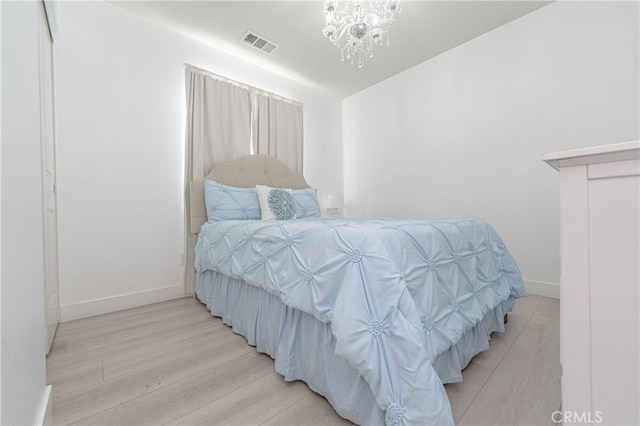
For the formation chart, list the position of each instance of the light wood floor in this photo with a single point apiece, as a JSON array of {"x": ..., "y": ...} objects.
[{"x": 172, "y": 363}]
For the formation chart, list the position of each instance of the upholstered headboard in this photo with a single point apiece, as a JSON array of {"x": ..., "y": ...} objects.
[{"x": 245, "y": 172}]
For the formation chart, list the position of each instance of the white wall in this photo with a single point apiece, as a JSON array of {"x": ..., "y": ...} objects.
[
  {"x": 463, "y": 134},
  {"x": 23, "y": 331},
  {"x": 120, "y": 116}
]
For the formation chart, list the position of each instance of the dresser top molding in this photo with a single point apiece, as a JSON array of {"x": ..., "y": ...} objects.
[{"x": 593, "y": 155}]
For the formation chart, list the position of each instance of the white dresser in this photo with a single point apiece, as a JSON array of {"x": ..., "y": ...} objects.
[{"x": 600, "y": 281}]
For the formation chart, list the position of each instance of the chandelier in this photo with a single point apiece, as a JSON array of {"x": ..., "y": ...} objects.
[{"x": 356, "y": 26}]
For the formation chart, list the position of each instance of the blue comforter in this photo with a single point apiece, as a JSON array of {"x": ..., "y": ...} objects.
[{"x": 396, "y": 292}]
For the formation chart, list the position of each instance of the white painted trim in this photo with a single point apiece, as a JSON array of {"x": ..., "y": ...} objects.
[
  {"x": 540, "y": 288},
  {"x": 593, "y": 155},
  {"x": 45, "y": 412},
  {"x": 118, "y": 303}
]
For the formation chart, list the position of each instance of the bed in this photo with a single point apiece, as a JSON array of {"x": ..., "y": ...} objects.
[{"x": 375, "y": 315}]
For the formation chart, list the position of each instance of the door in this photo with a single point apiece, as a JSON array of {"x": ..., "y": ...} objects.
[{"x": 50, "y": 219}]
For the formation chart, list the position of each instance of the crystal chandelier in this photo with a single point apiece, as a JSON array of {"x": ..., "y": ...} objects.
[{"x": 356, "y": 26}]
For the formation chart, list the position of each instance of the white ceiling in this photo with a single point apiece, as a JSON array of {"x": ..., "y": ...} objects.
[{"x": 423, "y": 30}]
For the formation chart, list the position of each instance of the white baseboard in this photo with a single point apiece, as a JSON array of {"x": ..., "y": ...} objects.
[
  {"x": 540, "y": 288},
  {"x": 118, "y": 303},
  {"x": 45, "y": 411}
]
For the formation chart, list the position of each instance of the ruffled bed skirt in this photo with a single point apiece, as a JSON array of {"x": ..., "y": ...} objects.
[{"x": 304, "y": 348}]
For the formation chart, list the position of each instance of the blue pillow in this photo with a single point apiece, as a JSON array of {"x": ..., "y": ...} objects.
[
  {"x": 229, "y": 203},
  {"x": 307, "y": 206}
]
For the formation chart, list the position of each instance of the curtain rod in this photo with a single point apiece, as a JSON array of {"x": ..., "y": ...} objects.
[{"x": 248, "y": 87}]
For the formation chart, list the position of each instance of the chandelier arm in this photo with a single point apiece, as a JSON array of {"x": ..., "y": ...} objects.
[
  {"x": 344, "y": 20},
  {"x": 342, "y": 31},
  {"x": 382, "y": 20},
  {"x": 343, "y": 26},
  {"x": 330, "y": 18}
]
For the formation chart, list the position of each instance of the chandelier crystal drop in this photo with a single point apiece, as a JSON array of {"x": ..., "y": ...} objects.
[{"x": 355, "y": 26}]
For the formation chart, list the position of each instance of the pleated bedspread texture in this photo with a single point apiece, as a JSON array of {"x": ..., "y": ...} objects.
[{"x": 396, "y": 293}]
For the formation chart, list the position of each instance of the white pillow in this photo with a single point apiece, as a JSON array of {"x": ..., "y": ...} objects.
[{"x": 276, "y": 203}]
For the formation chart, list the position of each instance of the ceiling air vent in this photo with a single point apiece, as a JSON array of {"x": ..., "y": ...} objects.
[{"x": 259, "y": 42}]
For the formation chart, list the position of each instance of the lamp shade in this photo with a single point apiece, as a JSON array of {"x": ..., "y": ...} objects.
[{"x": 335, "y": 201}]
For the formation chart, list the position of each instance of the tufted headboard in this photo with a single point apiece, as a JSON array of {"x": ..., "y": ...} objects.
[{"x": 245, "y": 172}]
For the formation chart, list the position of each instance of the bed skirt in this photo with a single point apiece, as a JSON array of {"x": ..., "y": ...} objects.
[{"x": 304, "y": 348}]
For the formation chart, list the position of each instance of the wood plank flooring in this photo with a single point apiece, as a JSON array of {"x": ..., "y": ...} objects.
[{"x": 173, "y": 363}]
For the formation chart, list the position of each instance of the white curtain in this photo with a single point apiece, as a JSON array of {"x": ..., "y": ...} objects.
[
  {"x": 218, "y": 122},
  {"x": 226, "y": 120},
  {"x": 277, "y": 130},
  {"x": 218, "y": 129}
]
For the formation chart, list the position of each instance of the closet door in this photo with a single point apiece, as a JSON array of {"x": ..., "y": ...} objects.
[{"x": 50, "y": 218}]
